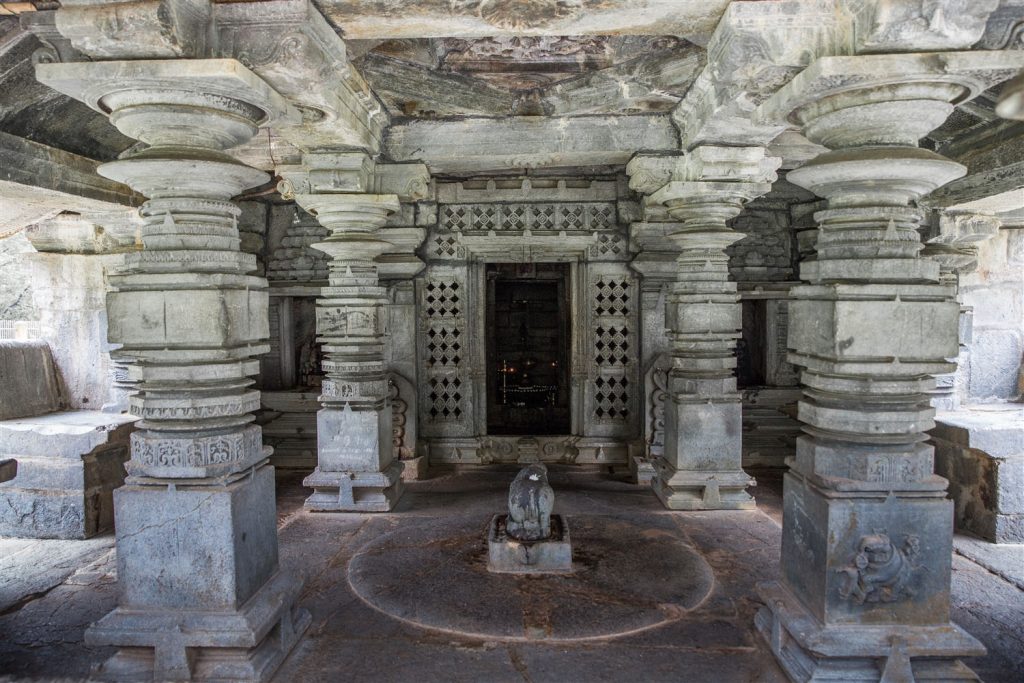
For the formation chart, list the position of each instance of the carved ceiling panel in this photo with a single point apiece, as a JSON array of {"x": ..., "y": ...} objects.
[{"x": 529, "y": 75}]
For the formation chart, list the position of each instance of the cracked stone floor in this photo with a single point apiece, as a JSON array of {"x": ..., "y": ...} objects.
[{"x": 51, "y": 590}]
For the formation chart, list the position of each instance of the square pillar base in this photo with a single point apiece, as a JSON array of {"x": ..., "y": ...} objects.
[
  {"x": 355, "y": 491},
  {"x": 700, "y": 490},
  {"x": 248, "y": 644},
  {"x": 809, "y": 651},
  {"x": 201, "y": 597}
]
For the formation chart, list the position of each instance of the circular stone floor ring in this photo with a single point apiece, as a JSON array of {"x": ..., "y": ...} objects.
[{"x": 626, "y": 578}]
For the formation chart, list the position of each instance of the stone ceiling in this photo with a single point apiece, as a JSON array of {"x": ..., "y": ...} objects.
[
  {"x": 435, "y": 60},
  {"x": 529, "y": 75}
]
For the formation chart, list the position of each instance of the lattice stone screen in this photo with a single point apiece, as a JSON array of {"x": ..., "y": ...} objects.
[
  {"x": 444, "y": 404},
  {"x": 612, "y": 405}
]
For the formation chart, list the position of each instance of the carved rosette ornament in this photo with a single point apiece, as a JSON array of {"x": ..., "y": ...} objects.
[
  {"x": 871, "y": 327},
  {"x": 356, "y": 464},
  {"x": 191, "y": 321}
]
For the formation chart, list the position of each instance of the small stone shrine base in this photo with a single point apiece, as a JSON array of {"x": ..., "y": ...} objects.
[{"x": 506, "y": 555}]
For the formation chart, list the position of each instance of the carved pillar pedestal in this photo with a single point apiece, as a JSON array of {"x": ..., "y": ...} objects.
[
  {"x": 201, "y": 594},
  {"x": 701, "y": 465},
  {"x": 356, "y": 468},
  {"x": 867, "y": 527}
]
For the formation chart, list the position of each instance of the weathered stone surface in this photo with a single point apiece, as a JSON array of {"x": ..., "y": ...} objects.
[
  {"x": 981, "y": 453},
  {"x": 30, "y": 375},
  {"x": 474, "y": 145}
]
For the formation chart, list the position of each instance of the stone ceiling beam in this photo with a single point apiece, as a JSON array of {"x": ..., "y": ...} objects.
[
  {"x": 38, "y": 182},
  {"x": 363, "y": 19},
  {"x": 479, "y": 145}
]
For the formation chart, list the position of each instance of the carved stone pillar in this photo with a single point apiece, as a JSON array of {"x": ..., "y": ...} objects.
[
  {"x": 951, "y": 240},
  {"x": 356, "y": 467},
  {"x": 201, "y": 594},
  {"x": 867, "y": 528},
  {"x": 701, "y": 465},
  {"x": 655, "y": 260}
]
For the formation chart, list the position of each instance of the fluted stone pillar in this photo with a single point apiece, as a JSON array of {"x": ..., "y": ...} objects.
[
  {"x": 356, "y": 467},
  {"x": 201, "y": 593},
  {"x": 867, "y": 527},
  {"x": 701, "y": 465}
]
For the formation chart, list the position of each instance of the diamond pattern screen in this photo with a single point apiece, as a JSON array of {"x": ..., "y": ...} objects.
[
  {"x": 613, "y": 348},
  {"x": 444, "y": 347},
  {"x": 445, "y": 398}
]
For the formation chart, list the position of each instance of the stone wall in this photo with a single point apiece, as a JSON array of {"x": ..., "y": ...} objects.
[
  {"x": 768, "y": 252},
  {"x": 69, "y": 292},
  {"x": 16, "y": 301},
  {"x": 995, "y": 292}
]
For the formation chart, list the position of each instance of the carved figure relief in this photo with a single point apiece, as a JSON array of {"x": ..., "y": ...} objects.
[{"x": 880, "y": 571}]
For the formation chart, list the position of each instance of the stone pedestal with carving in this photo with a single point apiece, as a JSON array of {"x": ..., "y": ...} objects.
[
  {"x": 201, "y": 594},
  {"x": 700, "y": 468},
  {"x": 356, "y": 468},
  {"x": 867, "y": 528}
]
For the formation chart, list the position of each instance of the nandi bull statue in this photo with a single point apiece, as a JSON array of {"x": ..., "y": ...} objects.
[
  {"x": 529, "y": 539},
  {"x": 530, "y": 501}
]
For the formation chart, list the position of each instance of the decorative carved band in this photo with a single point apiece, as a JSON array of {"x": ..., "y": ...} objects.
[{"x": 553, "y": 217}]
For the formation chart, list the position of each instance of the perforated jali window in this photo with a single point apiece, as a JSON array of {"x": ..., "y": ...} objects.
[
  {"x": 442, "y": 309},
  {"x": 613, "y": 348}
]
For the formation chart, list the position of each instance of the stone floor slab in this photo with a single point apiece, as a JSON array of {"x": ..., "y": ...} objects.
[{"x": 41, "y": 639}]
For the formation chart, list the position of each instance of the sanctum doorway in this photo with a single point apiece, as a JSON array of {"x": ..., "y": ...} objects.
[{"x": 528, "y": 348}]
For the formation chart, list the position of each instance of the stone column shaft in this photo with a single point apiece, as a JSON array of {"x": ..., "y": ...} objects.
[
  {"x": 701, "y": 465},
  {"x": 867, "y": 527},
  {"x": 201, "y": 594},
  {"x": 356, "y": 469}
]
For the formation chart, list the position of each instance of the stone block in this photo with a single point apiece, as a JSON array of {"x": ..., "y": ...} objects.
[
  {"x": 996, "y": 356},
  {"x": 354, "y": 440},
  {"x": 31, "y": 382},
  {"x": 147, "y": 317},
  {"x": 506, "y": 555},
  {"x": 981, "y": 453},
  {"x": 707, "y": 434},
  {"x": 850, "y": 330},
  {"x": 873, "y": 559},
  {"x": 68, "y": 466},
  {"x": 355, "y": 491},
  {"x": 196, "y": 547}
]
